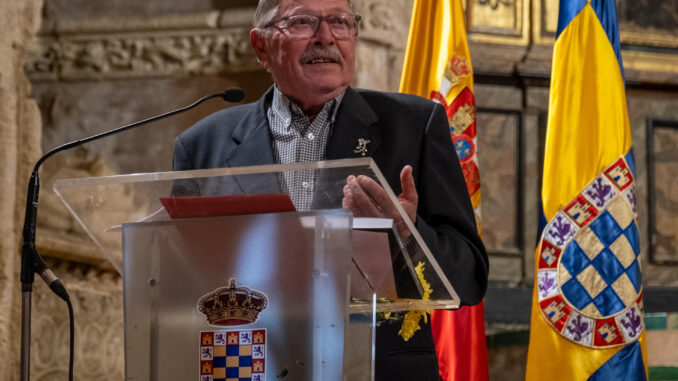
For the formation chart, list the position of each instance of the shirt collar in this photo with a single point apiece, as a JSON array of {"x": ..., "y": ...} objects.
[{"x": 283, "y": 107}]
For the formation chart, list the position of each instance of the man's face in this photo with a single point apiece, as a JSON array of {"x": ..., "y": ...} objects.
[{"x": 309, "y": 70}]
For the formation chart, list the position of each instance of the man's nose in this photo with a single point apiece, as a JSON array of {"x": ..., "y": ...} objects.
[{"x": 324, "y": 35}]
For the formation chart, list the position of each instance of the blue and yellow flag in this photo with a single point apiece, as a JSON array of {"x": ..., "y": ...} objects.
[{"x": 587, "y": 308}]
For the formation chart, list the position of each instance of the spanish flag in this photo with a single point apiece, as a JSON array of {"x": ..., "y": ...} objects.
[
  {"x": 438, "y": 66},
  {"x": 587, "y": 306}
]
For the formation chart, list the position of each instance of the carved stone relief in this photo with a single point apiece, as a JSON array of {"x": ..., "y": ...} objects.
[
  {"x": 99, "y": 337},
  {"x": 142, "y": 55},
  {"x": 171, "y": 45}
]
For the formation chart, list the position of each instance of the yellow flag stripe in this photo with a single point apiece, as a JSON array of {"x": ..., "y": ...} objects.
[{"x": 588, "y": 121}]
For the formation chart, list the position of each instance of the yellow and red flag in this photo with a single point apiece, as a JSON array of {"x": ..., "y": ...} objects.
[
  {"x": 587, "y": 308},
  {"x": 438, "y": 66}
]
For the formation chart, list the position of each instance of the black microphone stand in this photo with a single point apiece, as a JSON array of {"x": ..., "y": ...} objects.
[{"x": 32, "y": 263}]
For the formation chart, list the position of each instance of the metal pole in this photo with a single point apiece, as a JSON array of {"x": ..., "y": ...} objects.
[{"x": 25, "y": 374}]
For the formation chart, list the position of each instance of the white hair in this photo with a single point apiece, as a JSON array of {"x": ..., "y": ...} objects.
[{"x": 268, "y": 9}]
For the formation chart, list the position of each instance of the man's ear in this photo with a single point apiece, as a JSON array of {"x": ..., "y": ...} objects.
[{"x": 259, "y": 44}]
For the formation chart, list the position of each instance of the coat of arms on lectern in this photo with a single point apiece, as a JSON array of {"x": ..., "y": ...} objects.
[{"x": 233, "y": 355}]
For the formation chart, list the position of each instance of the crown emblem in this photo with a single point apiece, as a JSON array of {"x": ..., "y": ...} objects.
[
  {"x": 456, "y": 70},
  {"x": 232, "y": 305}
]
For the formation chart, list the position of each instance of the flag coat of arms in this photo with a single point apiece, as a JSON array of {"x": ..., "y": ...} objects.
[
  {"x": 438, "y": 66},
  {"x": 587, "y": 308}
]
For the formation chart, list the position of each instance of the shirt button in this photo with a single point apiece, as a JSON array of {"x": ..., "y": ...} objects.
[
  {"x": 305, "y": 184},
  {"x": 310, "y": 136}
]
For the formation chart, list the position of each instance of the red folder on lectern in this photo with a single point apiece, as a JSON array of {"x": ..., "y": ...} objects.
[{"x": 212, "y": 206}]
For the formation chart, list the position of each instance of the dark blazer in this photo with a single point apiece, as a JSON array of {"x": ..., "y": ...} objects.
[{"x": 402, "y": 129}]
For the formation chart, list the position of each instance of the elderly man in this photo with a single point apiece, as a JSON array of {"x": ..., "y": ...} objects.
[{"x": 312, "y": 114}]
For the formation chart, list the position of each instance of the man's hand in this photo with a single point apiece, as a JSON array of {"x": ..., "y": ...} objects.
[{"x": 366, "y": 198}]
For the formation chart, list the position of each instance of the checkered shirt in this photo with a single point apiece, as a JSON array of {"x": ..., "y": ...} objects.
[{"x": 296, "y": 139}]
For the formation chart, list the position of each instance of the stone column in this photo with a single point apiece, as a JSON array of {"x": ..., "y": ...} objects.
[{"x": 20, "y": 130}]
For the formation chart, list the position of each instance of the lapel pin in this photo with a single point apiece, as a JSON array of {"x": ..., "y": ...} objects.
[{"x": 361, "y": 148}]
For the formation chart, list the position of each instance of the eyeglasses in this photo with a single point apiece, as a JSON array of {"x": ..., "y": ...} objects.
[{"x": 342, "y": 26}]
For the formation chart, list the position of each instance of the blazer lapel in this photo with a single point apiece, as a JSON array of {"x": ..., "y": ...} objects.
[
  {"x": 252, "y": 138},
  {"x": 356, "y": 122},
  {"x": 254, "y": 147}
]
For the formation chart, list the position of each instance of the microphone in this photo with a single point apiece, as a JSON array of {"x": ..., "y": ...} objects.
[
  {"x": 31, "y": 262},
  {"x": 233, "y": 95}
]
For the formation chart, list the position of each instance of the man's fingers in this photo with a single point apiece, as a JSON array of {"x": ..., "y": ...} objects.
[
  {"x": 346, "y": 201},
  {"x": 359, "y": 201},
  {"x": 407, "y": 184},
  {"x": 375, "y": 192}
]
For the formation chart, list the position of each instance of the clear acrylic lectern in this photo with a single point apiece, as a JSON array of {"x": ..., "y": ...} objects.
[{"x": 262, "y": 296}]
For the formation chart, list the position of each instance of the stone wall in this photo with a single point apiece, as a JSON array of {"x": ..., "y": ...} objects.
[{"x": 20, "y": 139}]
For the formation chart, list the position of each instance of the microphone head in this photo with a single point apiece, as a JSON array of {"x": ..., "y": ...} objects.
[{"x": 234, "y": 94}]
